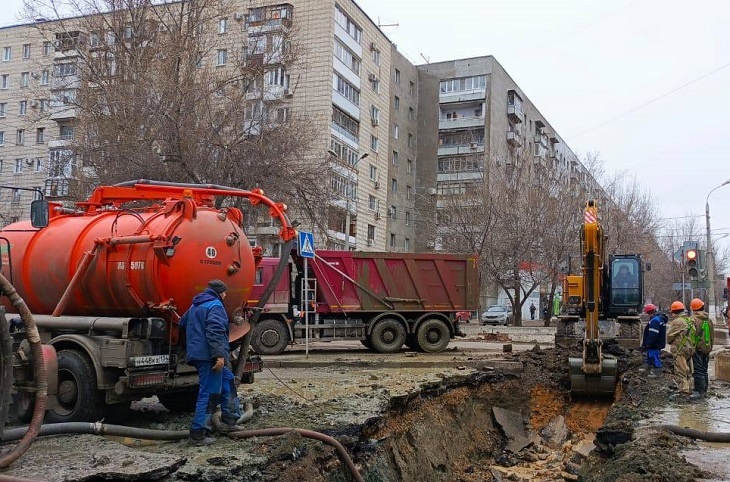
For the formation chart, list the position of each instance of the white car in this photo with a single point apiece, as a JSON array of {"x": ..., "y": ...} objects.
[{"x": 497, "y": 315}]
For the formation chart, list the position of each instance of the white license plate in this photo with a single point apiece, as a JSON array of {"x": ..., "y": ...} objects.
[{"x": 140, "y": 361}]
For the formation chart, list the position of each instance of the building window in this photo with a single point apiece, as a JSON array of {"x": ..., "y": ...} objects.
[
  {"x": 3, "y": 109},
  {"x": 40, "y": 135},
  {"x": 374, "y": 83},
  {"x": 16, "y": 198},
  {"x": 395, "y": 131},
  {"x": 374, "y": 115},
  {"x": 343, "y": 152},
  {"x": 412, "y": 88},
  {"x": 410, "y": 140},
  {"x": 2, "y": 140},
  {"x": 373, "y": 143},
  {"x": 47, "y": 48},
  {"x": 394, "y": 185},
  {"x": 38, "y": 164},
  {"x": 411, "y": 113},
  {"x": 26, "y": 51},
  {"x": 407, "y": 244},
  {"x": 347, "y": 57},
  {"x": 376, "y": 56},
  {"x": 222, "y": 57},
  {"x": 347, "y": 24},
  {"x": 409, "y": 166},
  {"x": 392, "y": 240},
  {"x": 396, "y": 103},
  {"x": 5, "y": 81},
  {"x": 18, "y": 166},
  {"x": 20, "y": 137},
  {"x": 397, "y": 76},
  {"x": 43, "y": 105},
  {"x": 347, "y": 90},
  {"x": 64, "y": 70},
  {"x": 371, "y": 234},
  {"x": 372, "y": 202},
  {"x": 222, "y": 25},
  {"x": 462, "y": 84},
  {"x": 66, "y": 133},
  {"x": 409, "y": 192},
  {"x": 24, "y": 79},
  {"x": 344, "y": 124},
  {"x": 393, "y": 215},
  {"x": 395, "y": 158},
  {"x": 44, "y": 77},
  {"x": 373, "y": 173},
  {"x": 7, "y": 54},
  {"x": 408, "y": 218},
  {"x": 282, "y": 115}
]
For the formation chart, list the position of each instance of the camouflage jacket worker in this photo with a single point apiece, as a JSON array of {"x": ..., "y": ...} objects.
[
  {"x": 704, "y": 332},
  {"x": 680, "y": 334}
]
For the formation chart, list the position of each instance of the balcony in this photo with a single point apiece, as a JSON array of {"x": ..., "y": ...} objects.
[
  {"x": 462, "y": 96},
  {"x": 63, "y": 113},
  {"x": 514, "y": 139},
  {"x": 461, "y": 122},
  {"x": 455, "y": 149},
  {"x": 541, "y": 139},
  {"x": 515, "y": 114}
]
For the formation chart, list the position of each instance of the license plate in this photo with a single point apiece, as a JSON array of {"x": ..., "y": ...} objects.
[{"x": 141, "y": 361}]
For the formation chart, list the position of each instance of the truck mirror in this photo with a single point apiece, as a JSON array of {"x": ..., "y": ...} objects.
[{"x": 39, "y": 213}]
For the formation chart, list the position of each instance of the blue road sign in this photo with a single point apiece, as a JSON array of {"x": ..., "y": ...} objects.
[{"x": 306, "y": 244}]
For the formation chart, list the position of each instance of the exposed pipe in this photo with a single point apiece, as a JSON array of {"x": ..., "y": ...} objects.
[
  {"x": 80, "y": 272},
  {"x": 698, "y": 434},
  {"x": 341, "y": 452},
  {"x": 39, "y": 372}
]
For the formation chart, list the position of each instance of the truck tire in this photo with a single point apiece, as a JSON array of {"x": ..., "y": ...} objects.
[
  {"x": 270, "y": 337},
  {"x": 366, "y": 343},
  {"x": 387, "y": 336},
  {"x": 433, "y": 335},
  {"x": 179, "y": 402},
  {"x": 78, "y": 398}
]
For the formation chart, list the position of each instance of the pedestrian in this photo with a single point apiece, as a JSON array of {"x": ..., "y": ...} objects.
[
  {"x": 532, "y": 311},
  {"x": 545, "y": 315},
  {"x": 655, "y": 337},
  {"x": 207, "y": 349},
  {"x": 703, "y": 340},
  {"x": 680, "y": 334}
]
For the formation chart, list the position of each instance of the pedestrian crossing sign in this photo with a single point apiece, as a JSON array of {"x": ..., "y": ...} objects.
[{"x": 306, "y": 244}]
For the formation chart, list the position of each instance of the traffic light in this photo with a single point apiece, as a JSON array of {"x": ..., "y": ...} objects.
[{"x": 690, "y": 263}]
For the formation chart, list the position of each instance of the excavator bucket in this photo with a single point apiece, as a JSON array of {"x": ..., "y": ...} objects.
[{"x": 589, "y": 384}]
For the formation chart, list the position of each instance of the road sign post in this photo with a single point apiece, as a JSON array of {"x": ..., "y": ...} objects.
[{"x": 306, "y": 251}]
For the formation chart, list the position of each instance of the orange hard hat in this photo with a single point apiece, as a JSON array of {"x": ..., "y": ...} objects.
[
  {"x": 696, "y": 304},
  {"x": 677, "y": 306}
]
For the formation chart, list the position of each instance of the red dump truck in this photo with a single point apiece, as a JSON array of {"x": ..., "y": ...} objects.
[{"x": 385, "y": 300}]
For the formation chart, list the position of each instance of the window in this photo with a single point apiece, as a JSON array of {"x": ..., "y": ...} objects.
[
  {"x": 411, "y": 88},
  {"x": 374, "y": 83},
  {"x": 282, "y": 115},
  {"x": 395, "y": 131},
  {"x": 347, "y": 90},
  {"x": 396, "y": 103},
  {"x": 373, "y": 173},
  {"x": 343, "y": 152},
  {"x": 463, "y": 84},
  {"x": 18, "y": 166},
  {"x": 409, "y": 192},
  {"x": 347, "y": 57},
  {"x": 66, "y": 133},
  {"x": 38, "y": 164},
  {"x": 376, "y": 56},
  {"x": 47, "y": 48},
  {"x": 222, "y": 25},
  {"x": 371, "y": 234},
  {"x": 44, "y": 77},
  {"x": 20, "y": 137},
  {"x": 2, "y": 139},
  {"x": 222, "y": 57},
  {"x": 23, "y": 107},
  {"x": 94, "y": 40},
  {"x": 407, "y": 244},
  {"x": 397, "y": 76},
  {"x": 24, "y": 79},
  {"x": 410, "y": 140},
  {"x": 372, "y": 202},
  {"x": 347, "y": 24},
  {"x": 16, "y": 196},
  {"x": 373, "y": 143},
  {"x": 278, "y": 77},
  {"x": 43, "y": 105},
  {"x": 394, "y": 185},
  {"x": 3, "y": 109},
  {"x": 64, "y": 70},
  {"x": 409, "y": 166},
  {"x": 26, "y": 51},
  {"x": 7, "y": 54},
  {"x": 374, "y": 114},
  {"x": 393, "y": 213},
  {"x": 392, "y": 240},
  {"x": 40, "y": 135},
  {"x": 5, "y": 81},
  {"x": 344, "y": 124},
  {"x": 395, "y": 158},
  {"x": 408, "y": 218}
]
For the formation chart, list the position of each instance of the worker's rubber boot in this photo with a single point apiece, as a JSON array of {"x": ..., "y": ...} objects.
[
  {"x": 227, "y": 425},
  {"x": 695, "y": 396},
  {"x": 200, "y": 438}
]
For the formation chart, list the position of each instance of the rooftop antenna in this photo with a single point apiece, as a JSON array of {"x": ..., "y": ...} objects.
[
  {"x": 381, "y": 25},
  {"x": 428, "y": 61}
]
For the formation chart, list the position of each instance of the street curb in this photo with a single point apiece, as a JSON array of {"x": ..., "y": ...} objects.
[{"x": 501, "y": 365}]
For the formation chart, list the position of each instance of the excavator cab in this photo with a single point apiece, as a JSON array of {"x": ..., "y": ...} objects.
[{"x": 624, "y": 285}]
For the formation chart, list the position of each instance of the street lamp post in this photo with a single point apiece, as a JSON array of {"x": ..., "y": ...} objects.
[
  {"x": 347, "y": 207},
  {"x": 710, "y": 254}
]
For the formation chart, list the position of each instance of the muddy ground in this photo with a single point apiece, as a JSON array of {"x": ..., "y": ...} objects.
[{"x": 461, "y": 415}]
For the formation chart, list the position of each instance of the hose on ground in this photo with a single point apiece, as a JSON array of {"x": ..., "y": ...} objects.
[
  {"x": 698, "y": 434},
  {"x": 341, "y": 452},
  {"x": 39, "y": 374}
]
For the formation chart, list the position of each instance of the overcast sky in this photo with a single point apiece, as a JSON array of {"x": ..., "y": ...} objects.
[{"x": 644, "y": 83}]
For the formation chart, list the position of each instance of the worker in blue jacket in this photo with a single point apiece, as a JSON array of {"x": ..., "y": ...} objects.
[
  {"x": 207, "y": 349},
  {"x": 655, "y": 336}
]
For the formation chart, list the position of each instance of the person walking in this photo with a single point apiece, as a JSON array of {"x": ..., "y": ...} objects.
[
  {"x": 655, "y": 337},
  {"x": 532, "y": 311},
  {"x": 704, "y": 339},
  {"x": 207, "y": 349},
  {"x": 680, "y": 335}
]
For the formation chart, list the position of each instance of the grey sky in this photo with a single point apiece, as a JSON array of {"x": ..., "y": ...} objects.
[{"x": 585, "y": 62}]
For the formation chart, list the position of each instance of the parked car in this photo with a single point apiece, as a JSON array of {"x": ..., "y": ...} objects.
[{"x": 497, "y": 315}]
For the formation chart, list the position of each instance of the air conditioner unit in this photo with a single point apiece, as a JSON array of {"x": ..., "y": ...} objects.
[
  {"x": 372, "y": 77},
  {"x": 370, "y": 242},
  {"x": 377, "y": 185},
  {"x": 238, "y": 16},
  {"x": 377, "y": 214},
  {"x": 374, "y": 121},
  {"x": 373, "y": 46}
]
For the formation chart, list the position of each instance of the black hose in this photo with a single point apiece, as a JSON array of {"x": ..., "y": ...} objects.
[
  {"x": 698, "y": 434},
  {"x": 98, "y": 429}
]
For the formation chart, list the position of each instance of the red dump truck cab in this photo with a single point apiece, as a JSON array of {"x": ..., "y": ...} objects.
[{"x": 385, "y": 300}]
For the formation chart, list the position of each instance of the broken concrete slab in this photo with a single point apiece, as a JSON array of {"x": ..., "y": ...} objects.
[
  {"x": 585, "y": 446},
  {"x": 555, "y": 433},
  {"x": 513, "y": 426}
]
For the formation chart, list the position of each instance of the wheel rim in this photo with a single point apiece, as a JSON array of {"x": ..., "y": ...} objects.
[
  {"x": 270, "y": 338},
  {"x": 433, "y": 335},
  {"x": 388, "y": 336}
]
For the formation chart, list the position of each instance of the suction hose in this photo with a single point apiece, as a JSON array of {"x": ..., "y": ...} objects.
[
  {"x": 698, "y": 434},
  {"x": 39, "y": 372}
]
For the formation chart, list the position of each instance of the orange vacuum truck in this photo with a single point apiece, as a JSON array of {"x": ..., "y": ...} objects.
[{"x": 107, "y": 281}]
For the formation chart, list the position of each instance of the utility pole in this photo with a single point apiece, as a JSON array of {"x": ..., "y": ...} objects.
[{"x": 711, "y": 254}]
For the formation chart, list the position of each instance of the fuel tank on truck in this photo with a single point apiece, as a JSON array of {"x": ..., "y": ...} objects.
[{"x": 141, "y": 260}]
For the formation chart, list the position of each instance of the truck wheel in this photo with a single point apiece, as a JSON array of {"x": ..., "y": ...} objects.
[
  {"x": 78, "y": 398},
  {"x": 433, "y": 335},
  {"x": 366, "y": 343},
  {"x": 388, "y": 336},
  {"x": 270, "y": 337},
  {"x": 180, "y": 402}
]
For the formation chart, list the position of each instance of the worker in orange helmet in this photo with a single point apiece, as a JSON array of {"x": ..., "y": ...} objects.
[
  {"x": 703, "y": 341},
  {"x": 680, "y": 335}
]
